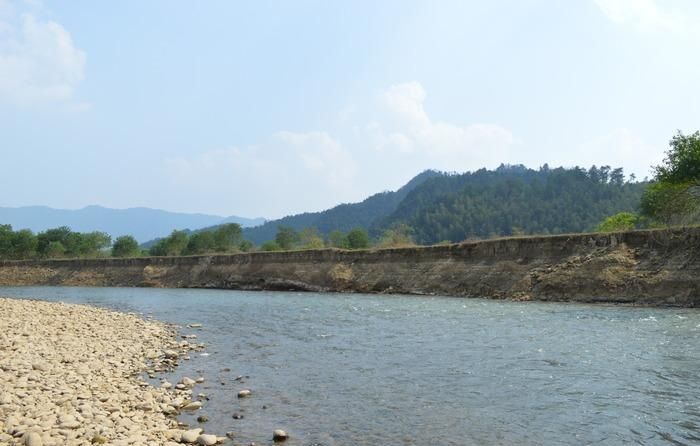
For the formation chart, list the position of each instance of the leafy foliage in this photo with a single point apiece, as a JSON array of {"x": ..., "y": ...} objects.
[
  {"x": 172, "y": 245},
  {"x": 623, "y": 221},
  {"x": 399, "y": 235},
  {"x": 358, "y": 239},
  {"x": 223, "y": 238},
  {"x": 512, "y": 200},
  {"x": 125, "y": 246},
  {"x": 56, "y": 242},
  {"x": 674, "y": 197},
  {"x": 287, "y": 238},
  {"x": 682, "y": 162}
]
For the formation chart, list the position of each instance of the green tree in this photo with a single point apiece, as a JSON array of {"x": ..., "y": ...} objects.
[
  {"x": 682, "y": 162},
  {"x": 125, "y": 246},
  {"x": 337, "y": 239},
  {"x": 24, "y": 244},
  {"x": 246, "y": 246},
  {"x": 358, "y": 239},
  {"x": 286, "y": 238},
  {"x": 93, "y": 244},
  {"x": 55, "y": 249},
  {"x": 201, "y": 243},
  {"x": 6, "y": 241},
  {"x": 51, "y": 235},
  {"x": 270, "y": 245},
  {"x": 228, "y": 237},
  {"x": 674, "y": 196},
  {"x": 310, "y": 238},
  {"x": 399, "y": 235},
  {"x": 172, "y": 245},
  {"x": 623, "y": 221}
]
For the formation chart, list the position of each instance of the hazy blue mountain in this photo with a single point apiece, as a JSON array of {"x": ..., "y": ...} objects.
[
  {"x": 142, "y": 223},
  {"x": 343, "y": 217}
]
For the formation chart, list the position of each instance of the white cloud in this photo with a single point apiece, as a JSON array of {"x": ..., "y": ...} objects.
[
  {"x": 301, "y": 171},
  {"x": 407, "y": 128},
  {"x": 320, "y": 154},
  {"x": 289, "y": 172},
  {"x": 620, "y": 147},
  {"x": 38, "y": 62},
  {"x": 650, "y": 15}
]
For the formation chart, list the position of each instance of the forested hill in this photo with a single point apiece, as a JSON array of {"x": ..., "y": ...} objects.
[
  {"x": 343, "y": 217},
  {"x": 512, "y": 200}
]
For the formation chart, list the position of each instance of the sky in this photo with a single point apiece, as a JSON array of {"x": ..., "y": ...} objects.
[{"x": 272, "y": 108}]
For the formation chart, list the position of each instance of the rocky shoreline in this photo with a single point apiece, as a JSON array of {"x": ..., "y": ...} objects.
[{"x": 73, "y": 375}]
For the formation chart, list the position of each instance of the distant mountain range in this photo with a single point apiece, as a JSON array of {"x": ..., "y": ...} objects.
[
  {"x": 143, "y": 223},
  {"x": 436, "y": 206}
]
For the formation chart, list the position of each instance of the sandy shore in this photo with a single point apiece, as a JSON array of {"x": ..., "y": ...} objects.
[{"x": 71, "y": 375}]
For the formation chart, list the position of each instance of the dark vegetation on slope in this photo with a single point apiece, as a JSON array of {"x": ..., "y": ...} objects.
[{"x": 512, "y": 200}]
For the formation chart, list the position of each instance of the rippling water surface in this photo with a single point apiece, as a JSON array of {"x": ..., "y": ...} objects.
[{"x": 339, "y": 369}]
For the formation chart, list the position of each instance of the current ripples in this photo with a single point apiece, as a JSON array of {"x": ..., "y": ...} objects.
[{"x": 367, "y": 370}]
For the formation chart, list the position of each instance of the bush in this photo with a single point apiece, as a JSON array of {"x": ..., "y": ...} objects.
[
  {"x": 125, "y": 246},
  {"x": 624, "y": 221}
]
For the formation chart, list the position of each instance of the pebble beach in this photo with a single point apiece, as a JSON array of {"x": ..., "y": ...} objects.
[{"x": 74, "y": 375}]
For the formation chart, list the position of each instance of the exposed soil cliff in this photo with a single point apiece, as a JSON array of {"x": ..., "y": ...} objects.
[{"x": 660, "y": 267}]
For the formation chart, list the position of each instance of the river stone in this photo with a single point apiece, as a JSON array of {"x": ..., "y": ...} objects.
[
  {"x": 170, "y": 354},
  {"x": 194, "y": 405},
  {"x": 40, "y": 367},
  {"x": 206, "y": 440},
  {"x": 190, "y": 436},
  {"x": 279, "y": 435},
  {"x": 244, "y": 393},
  {"x": 32, "y": 439},
  {"x": 98, "y": 439}
]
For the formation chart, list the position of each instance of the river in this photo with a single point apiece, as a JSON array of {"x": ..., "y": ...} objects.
[{"x": 350, "y": 369}]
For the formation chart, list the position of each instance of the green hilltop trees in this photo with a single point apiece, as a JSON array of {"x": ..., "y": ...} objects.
[{"x": 674, "y": 196}]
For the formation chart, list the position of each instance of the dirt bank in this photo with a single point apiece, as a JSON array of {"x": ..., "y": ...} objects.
[{"x": 656, "y": 267}]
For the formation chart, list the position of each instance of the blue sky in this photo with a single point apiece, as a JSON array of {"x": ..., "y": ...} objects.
[{"x": 270, "y": 108}]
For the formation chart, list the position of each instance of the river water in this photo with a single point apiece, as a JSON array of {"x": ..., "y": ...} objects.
[{"x": 349, "y": 369}]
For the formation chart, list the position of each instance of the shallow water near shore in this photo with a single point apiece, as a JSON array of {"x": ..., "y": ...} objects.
[{"x": 345, "y": 369}]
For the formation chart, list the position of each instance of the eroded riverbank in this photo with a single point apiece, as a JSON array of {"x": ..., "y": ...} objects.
[
  {"x": 654, "y": 267},
  {"x": 71, "y": 375}
]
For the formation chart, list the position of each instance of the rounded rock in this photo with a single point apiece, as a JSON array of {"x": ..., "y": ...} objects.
[
  {"x": 190, "y": 436},
  {"x": 279, "y": 435},
  {"x": 244, "y": 393},
  {"x": 194, "y": 405},
  {"x": 32, "y": 439},
  {"x": 207, "y": 440}
]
